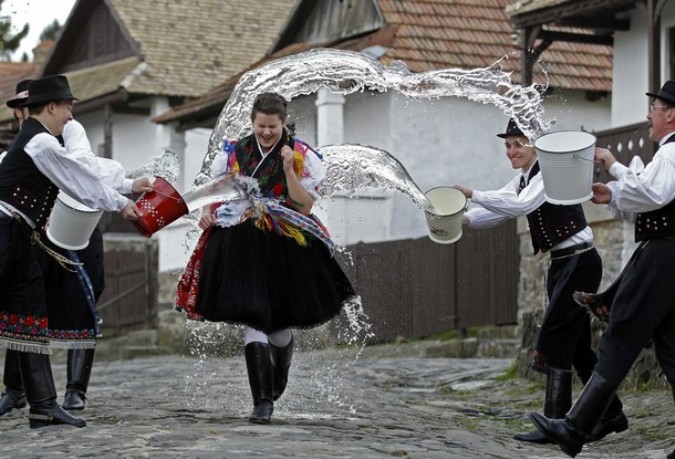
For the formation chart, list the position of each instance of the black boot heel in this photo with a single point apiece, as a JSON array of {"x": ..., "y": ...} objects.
[
  {"x": 74, "y": 400},
  {"x": 54, "y": 416},
  {"x": 262, "y": 413}
]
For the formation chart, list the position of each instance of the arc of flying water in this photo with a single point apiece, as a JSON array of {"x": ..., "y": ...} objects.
[
  {"x": 346, "y": 72},
  {"x": 164, "y": 165},
  {"x": 350, "y": 167}
]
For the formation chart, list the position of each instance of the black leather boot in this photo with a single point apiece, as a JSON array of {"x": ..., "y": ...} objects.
[
  {"x": 259, "y": 366},
  {"x": 570, "y": 433},
  {"x": 558, "y": 402},
  {"x": 80, "y": 362},
  {"x": 613, "y": 421},
  {"x": 13, "y": 396},
  {"x": 281, "y": 364},
  {"x": 38, "y": 381}
]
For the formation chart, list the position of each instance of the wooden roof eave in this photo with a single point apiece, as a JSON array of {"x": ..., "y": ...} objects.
[
  {"x": 581, "y": 13},
  {"x": 115, "y": 98}
]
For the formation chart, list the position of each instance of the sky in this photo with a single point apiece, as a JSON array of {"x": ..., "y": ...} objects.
[{"x": 39, "y": 14}]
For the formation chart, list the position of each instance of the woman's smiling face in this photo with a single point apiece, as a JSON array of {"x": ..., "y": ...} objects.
[{"x": 267, "y": 129}]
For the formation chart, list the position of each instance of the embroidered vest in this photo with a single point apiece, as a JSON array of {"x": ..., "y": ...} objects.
[
  {"x": 551, "y": 224},
  {"x": 656, "y": 223},
  {"x": 22, "y": 185}
]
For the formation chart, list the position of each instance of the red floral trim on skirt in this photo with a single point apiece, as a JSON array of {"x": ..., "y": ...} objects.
[{"x": 187, "y": 290}]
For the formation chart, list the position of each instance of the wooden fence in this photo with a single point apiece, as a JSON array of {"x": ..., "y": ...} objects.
[
  {"x": 415, "y": 287},
  {"x": 129, "y": 300}
]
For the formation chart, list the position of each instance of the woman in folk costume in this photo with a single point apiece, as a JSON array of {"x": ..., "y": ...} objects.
[{"x": 266, "y": 262}]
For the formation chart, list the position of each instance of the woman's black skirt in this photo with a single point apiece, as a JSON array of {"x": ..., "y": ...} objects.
[{"x": 268, "y": 281}]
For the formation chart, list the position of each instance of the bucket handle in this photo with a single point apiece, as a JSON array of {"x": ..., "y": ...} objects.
[
  {"x": 575, "y": 156},
  {"x": 168, "y": 196}
]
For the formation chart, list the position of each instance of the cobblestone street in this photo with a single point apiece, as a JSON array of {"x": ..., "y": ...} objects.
[{"x": 391, "y": 401}]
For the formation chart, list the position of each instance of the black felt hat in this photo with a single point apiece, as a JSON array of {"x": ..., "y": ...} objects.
[
  {"x": 21, "y": 96},
  {"x": 48, "y": 89},
  {"x": 666, "y": 93},
  {"x": 512, "y": 129}
]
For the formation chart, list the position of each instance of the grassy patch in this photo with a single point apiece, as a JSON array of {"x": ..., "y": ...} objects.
[
  {"x": 443, "y": 336},
  {"x": 511, "y": 373},
  {"x": 651, "y": 434}
]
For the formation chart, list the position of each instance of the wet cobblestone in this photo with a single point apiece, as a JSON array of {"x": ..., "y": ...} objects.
[{"x": 390, "y": 402}]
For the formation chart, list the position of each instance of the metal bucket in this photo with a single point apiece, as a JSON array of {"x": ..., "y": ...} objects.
[
  {"x": 160, "y": 207},
  {"x": 566, "y": 163},
  {"x": 445, "y": 218},
  {"x": 71, "y": 223}
]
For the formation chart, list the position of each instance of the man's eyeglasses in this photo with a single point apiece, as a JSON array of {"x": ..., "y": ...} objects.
[{"x": 653, "y": 107}]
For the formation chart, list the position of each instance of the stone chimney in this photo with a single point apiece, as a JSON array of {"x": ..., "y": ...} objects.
[{"x": 41, "y": 51}]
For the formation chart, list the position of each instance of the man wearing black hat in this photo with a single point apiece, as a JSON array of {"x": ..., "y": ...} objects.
[
  {"x": 643, "y": 306},
  {"x": 564, "y": 339},
  {"x": 35, "y": 167},
  {"x": 71, "y": 306},
  {"x": 18, "y": 102}
]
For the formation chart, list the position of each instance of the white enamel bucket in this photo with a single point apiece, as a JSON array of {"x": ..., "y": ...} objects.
[
  {"x": 445, "y": 220},
  {"x": 566, "y": 163},
  {"x": 71, "y": 223}
]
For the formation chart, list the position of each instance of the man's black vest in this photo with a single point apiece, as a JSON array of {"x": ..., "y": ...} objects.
[
  {"x": 657, "y": 223},
  {"x": 551, "y": 224},
  {"x": 22, "y": 185}
]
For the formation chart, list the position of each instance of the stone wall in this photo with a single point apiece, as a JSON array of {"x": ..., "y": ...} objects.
[{"x": 613, "y": 239}]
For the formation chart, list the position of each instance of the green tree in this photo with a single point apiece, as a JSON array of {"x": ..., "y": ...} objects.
[
  {"x": 9, "y": 42},
  {"x": 51, "y": 32}
]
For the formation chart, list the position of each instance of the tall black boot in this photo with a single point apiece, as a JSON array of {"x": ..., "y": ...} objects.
[
  {"x": 613, "y": 421},
  {"x": 570, "y": 433},
  {"x": 13, "y": 396},
  {"x": 80, "y": 362},
  {"x": 259, "y": 366},
  {"x": 281, "y": 364},
  {"x": 36, "y": 372},
  {"x": 558, "y": 402}
]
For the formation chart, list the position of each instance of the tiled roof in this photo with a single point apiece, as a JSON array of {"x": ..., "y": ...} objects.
[
  {"x": 190, "y": 46},
  {"x": 94, "y": 82},
  {"x": 10, "y": 74},
  {"x": 86, "y": 84},
  {"x": 466, "y": 34},
  {"x": 186, "y": 47},
  {"x": 435, "y": 34}
]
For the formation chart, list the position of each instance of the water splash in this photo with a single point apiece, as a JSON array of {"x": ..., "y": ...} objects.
[
  {"x": 347, "y": 72},
  {"x": 359, "y": 329},
  {"x": 165, "y": 165},
  {"x": 228, "y": 187},
  {"x": 350, "y": 168}
]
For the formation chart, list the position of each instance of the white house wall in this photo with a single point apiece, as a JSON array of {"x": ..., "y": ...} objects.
[
  {"x": 136, "y": 140},
  {"x": 629, "y": 103},
  {"x": 440, "y": 142}
]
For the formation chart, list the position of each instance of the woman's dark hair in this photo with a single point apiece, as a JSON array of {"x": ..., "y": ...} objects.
[{"x": 270, "y": 103}]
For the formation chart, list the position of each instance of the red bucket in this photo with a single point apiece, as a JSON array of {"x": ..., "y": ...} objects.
[{"x": 159, "y": 207}]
